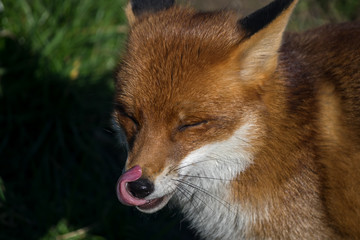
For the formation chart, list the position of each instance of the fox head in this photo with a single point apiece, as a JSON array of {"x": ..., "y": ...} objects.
[{"x": 190, "y": 98}]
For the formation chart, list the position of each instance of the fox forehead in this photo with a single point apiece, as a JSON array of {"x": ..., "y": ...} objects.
[
  {"x": 176, "y": 49},
  {"x": 184, "y": 30}
]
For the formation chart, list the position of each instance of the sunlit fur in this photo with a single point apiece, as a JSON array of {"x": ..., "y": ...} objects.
[{"x": 254, "y": 133}]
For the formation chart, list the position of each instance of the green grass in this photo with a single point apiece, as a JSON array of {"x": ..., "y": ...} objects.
[{"x": 59, "y": 161}]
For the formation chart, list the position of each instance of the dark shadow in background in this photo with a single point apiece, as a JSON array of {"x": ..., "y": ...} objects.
[{"x": 58, "y": 159}]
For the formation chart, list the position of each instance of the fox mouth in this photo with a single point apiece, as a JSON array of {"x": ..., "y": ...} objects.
[
  {"x": 143, "y": 205},
  {"x": 155, "y": 204},
  {"x": 151, "y": 204}
]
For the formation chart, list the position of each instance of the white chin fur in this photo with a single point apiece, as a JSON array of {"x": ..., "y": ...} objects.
[{"x": 158, "y": 207}]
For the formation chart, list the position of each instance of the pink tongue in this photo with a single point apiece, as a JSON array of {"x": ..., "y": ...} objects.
[{"x": 123, "y": 194}]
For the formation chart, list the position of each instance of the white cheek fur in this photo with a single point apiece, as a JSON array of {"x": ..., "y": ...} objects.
[
  {"x": 204, "y": 186},
  {"x": 224, "y": 159}
]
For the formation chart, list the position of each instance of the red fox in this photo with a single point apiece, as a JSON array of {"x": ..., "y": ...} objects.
[{"x": 254, "y": 133}]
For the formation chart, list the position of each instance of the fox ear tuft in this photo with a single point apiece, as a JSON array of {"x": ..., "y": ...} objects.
[
  {"x": 264, "y": 16},
  {"x": 137, "y": 7},
  {"x": 140, "y": 6},
  {"x": 263, "y": 32}
]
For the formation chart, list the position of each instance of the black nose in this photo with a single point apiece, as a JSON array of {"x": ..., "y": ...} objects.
[{"x": 141, "y": 188}]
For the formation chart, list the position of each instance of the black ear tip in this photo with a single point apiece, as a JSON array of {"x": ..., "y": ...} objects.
[
  {"x": 140, "y": 6},
  {"x": 261, "y": 18}
]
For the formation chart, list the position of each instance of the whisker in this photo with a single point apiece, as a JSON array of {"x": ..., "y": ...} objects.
[
  {"x": 206, "y": 177},
  {"x": 202, "y": 161},
  {"x": 190, "y": 164},
  {"x": 222, "y": 202},
  {"x": 245, "y": 141},
  {"x": 193, "y": 196},
  {"x": 189, "y": 196},
  {"x": 185, "y": 193},
  {"x": 108, "y": 130}
]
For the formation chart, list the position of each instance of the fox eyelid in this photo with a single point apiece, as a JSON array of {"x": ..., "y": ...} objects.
[
  {"x": 183, "y": 127},
  {"x": 123, "y": 112}
]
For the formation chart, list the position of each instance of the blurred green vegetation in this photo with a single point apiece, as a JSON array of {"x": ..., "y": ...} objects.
[
  {"x": 59, "y": 160},
  {"x": 314, "y": 13}
]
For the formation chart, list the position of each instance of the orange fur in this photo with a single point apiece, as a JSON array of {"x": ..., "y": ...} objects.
[{"x": 302, "y": 91}]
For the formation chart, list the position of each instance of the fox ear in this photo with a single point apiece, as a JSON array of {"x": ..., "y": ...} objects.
[
  {"x": 137, "y": 7},
  {"x": 263, "y": 32}
]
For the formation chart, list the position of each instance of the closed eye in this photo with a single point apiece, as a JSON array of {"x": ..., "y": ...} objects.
[
  {"x": 128, "y": 123},
  {"x": 121, "y": 110},
  {"x": 186, "y": 126}
]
